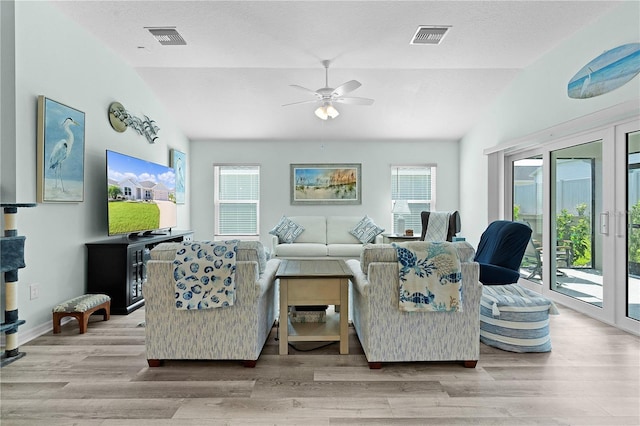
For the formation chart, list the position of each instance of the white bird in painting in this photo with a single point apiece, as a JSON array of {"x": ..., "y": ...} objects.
[
  {"x": 61, "y": 151},
  {"x": 586, "y": 83}
]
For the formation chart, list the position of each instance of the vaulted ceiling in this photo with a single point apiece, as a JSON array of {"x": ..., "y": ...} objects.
[{"x": 234, "y": 74}]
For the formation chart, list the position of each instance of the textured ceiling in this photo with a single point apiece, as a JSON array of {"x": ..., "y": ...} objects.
[{"x": 232, "y": 78}]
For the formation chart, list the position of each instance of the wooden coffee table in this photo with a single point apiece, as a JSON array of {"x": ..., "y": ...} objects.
[{"x": 310, "y": 283}]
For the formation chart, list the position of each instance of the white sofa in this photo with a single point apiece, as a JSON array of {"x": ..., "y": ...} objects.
[{"x": 323, "y": 236}]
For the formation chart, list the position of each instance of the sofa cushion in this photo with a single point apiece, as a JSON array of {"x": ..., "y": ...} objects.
[
  {"x": 287, "y": 230},
  {"x": 344, "y": 250},
  {"x": 366, "y": 230},
  {"x": 315, "y": 229},
  {"x": 338, "y": 228},
  {"x": 301, "y": 250}
]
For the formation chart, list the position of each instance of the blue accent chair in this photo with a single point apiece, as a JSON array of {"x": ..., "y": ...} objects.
[{"x": 500, "y": 252}]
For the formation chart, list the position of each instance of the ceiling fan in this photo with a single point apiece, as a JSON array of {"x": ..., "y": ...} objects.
[{"x": 326, "y": 96}]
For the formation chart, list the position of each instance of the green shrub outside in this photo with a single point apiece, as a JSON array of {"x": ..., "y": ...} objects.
[
  {"x": 576, "y": 231},
  {"x": 634, "y": 235}
]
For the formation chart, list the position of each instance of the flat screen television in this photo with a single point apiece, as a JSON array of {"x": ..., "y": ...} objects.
[{"x": 141, "y": 196}]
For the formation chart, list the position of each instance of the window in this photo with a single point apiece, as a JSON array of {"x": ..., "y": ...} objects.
[
  {"x": 416, "y": 185},
  {"x": 236, "y": 199}
]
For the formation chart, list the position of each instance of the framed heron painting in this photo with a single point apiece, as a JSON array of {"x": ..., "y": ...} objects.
[
  {"x": 60, "y": 152},
  {"x": 179, "y": 164},
  {"x": 325, "y": 184}
]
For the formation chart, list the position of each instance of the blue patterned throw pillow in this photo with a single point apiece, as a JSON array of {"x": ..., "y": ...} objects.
[
  {"x": 366, "y": 230},
  {"x": 287, "y": 230}
]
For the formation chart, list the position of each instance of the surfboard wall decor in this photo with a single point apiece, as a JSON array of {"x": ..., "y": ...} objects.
[{"x": 607, "y": 72}]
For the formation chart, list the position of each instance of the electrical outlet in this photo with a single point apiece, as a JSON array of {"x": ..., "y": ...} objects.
[{"x": 34, "y": 290}]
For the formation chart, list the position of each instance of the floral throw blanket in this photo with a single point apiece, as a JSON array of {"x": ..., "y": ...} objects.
[
  {"x": 204, "y": 273},
  {"x": 430, "y": 277}
]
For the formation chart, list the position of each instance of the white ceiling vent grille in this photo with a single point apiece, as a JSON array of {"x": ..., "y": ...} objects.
[
  {"x": 429, "y": 35},
  {"x": 167, "y": 36}
]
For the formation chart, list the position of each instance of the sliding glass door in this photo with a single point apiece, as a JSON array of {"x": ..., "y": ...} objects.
[
  {"x": 581, "y": 197},
  {"x": 527, "y": 193},
  {"x": 632, "y": 302},
  {"x": 576, "y": 258}
]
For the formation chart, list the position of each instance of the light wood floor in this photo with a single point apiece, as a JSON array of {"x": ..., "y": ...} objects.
[{"x": 592, "y": 377}]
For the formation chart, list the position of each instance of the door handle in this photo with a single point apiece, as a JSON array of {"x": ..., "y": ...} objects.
[
  {"x": 621, "y": 223},
  {"x": 604, "y": 223}
]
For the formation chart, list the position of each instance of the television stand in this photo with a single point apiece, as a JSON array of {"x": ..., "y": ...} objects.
[{"x": 117, "y": 267}]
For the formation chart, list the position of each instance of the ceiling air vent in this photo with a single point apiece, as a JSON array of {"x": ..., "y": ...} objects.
[
  {"x": 167, "y": 36},
  {"x": 429, "y": 35}
]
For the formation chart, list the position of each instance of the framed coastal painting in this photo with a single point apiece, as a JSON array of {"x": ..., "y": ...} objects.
[
  {"x": 326, "y": 184},
  {"x": 179, "y": 164},
  {"x": 60, "y": 152}
]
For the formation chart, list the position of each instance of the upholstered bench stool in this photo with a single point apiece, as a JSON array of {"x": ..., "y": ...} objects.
[
  {"x": 81, "y": 308},
  {"x": 515, "y": 319}
]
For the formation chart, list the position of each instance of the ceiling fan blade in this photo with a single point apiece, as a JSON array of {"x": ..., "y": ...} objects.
[
  {"x": 345, "y": 88},
  {"x": 354, "y": 101},
  {"x": 304, "y": 89},
  {"x": 302, "y": 102}
]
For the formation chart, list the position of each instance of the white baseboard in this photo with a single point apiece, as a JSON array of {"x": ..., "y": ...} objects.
[{"x": 27, "y": 336}]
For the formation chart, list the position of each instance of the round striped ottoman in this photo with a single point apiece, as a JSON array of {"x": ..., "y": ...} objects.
[{"x": 515, "y": 319}]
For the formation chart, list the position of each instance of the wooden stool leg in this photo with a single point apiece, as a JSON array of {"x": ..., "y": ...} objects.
[
  {"x": 107, "y": 311},
  {"x": 83, "y": 320},
  {"x": 56, "y": 322}
]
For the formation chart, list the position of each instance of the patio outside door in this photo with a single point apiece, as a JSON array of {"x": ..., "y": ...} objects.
[
  {"x": 630, "y": 216},
  {"x": 578, "y": 223},
  {"x": 581, "y": 197}
]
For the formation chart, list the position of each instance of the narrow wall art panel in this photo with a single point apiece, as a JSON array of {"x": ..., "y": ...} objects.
[
  {"x": 60, "y": 152},
  {"x": 179, "y": 164}
]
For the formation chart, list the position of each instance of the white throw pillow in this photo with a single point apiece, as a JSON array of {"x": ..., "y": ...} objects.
[
  {"x": 366, "y": 230},
  {"x": 287, "y": 230}
]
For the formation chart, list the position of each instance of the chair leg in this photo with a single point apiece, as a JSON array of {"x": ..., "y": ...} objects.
[{"x": 154, "y": 362}]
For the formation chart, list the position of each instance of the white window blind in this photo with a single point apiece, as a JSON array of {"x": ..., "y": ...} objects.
[
  {"x": 237, "y": 199},
  {"x": 417, "y": 185}
]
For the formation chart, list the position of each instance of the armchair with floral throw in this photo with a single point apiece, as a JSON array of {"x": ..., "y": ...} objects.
[{"x": 388, "y": 334}]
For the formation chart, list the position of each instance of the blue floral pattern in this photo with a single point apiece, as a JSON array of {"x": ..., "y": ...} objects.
[
  {"x": 430, "y": 277},
  {"x": 204, "y": 274}
]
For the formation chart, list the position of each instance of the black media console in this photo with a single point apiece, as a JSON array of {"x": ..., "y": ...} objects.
[{"x": 116, "y": 267}]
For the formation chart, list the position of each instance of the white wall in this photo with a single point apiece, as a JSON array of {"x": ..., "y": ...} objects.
[
  {"x": 275, "y": 157},
  {"x": 536, "y": 100},
  {"x": 58, "y": 59}
]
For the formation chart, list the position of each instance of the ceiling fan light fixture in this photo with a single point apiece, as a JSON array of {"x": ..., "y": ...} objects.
[
  {"x": 332, "y": 111},
  {"x": 326, "y": 96},
  {"x": 326, "y": 111},
  {"x": 321, "y": 112}
]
